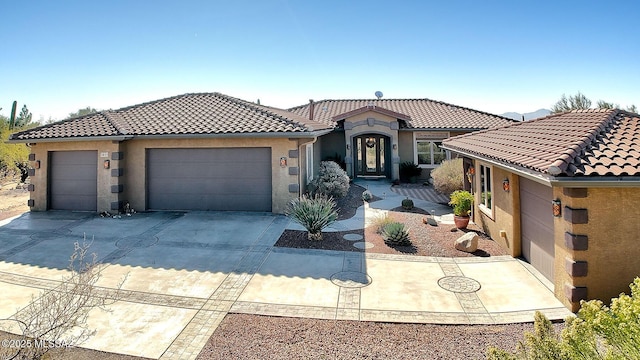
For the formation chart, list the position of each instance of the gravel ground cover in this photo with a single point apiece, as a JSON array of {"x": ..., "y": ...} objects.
[{"x": 242, "y": 336}]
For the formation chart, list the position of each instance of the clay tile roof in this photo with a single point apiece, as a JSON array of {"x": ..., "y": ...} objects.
[
  {"x": 590, "y": 142},
  {"x": 205, "y": 113},
  {"x": 417, "y": 113}
]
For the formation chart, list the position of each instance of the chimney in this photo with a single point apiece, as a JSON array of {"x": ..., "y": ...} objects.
[{"x": 311, "y": 109}]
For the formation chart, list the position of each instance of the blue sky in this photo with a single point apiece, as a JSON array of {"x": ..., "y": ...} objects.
[{"x": 495, "y": 56}]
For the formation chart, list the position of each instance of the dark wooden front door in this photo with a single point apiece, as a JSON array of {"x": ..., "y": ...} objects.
[{"x": 370, "y": 155}]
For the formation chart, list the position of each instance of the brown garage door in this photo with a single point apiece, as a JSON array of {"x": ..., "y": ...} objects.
[
  {"x": 209, "y": 179},
  {"x": 73, "y": 180},
  {"x": 537, "y": 226}
]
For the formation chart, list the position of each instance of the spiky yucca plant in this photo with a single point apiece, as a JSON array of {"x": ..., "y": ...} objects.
[
  {"x": 314, "y": 213},
  {"x": 395, "y": 234}
]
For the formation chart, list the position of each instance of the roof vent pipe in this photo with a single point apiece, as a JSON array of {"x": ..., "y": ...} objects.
[{"x": 311, "y": 109}]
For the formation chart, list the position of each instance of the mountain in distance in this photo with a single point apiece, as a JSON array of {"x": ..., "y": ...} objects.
[{"x": 527, "y": 116}]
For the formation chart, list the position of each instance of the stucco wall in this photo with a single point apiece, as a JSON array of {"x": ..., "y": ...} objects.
[
  {"x": 612, "y": 235},
  {"x": 133, "y": 164},
  {"x": 505, "y": 214},
  {"x": 39, "y": 195},
  {"x": 331, "y": 144},
  {"x": 382, "y": 125},
  {"x": 405, "y": 146}
]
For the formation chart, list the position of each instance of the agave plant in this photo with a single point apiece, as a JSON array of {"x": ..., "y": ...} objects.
[
  {"x": 314, "y": 213},
  {"x": 395, "y": 234}
]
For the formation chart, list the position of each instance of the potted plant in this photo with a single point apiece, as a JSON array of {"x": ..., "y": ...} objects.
[{"x": 461, "y": 200}]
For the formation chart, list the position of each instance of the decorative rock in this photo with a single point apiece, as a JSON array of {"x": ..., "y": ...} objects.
[{"x": 467, "y": 242}]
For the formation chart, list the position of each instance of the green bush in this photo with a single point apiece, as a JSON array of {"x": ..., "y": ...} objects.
[
  {"x": 409, "y": 170},
  {"x": 448, "y": 177},
  {"x": 314, "y": 213},
  {"x": 395, "y": 234},
  {"x": 331, "y": 180},
  {"x": 461, "y": 200},
  {"x": 598, "y": 332}
]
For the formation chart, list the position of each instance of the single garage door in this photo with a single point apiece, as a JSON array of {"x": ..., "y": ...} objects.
[
  {"x": 209, "y": 179},
  {"x": 73, "y": 180},
  {"x": 537, "y": 226}
]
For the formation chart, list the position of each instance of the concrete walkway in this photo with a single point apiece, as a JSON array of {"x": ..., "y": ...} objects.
[{"x": 186, "y": 271}]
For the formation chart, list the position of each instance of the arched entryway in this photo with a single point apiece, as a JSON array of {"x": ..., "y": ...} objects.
[{"x": 372, "y": 156}]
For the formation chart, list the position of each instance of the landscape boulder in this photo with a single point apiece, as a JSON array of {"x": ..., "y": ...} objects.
[{"x": 467, "y": 242}]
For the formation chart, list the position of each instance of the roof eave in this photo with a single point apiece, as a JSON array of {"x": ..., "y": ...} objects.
[
  {"x": 558, "y": 181},
  {"x": 69, "y": 139},
  {"x": 530, "y": 174},
  {"x": 596, "y": 181},
  {"x": 291, "y": 134}
]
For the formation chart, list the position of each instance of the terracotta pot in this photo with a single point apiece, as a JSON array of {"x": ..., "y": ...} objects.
[{"x": 461, "y": 221}]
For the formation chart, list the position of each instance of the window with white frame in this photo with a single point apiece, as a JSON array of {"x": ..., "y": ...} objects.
[
  {"x": 485, "y": 187},
  {"x": 430, "y": 153},
  {"x": 309, "y": 159}
]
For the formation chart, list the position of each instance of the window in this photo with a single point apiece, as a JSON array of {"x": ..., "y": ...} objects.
[
  {"x": 485, "y": 187},
  {"x": 430, "y": 153},
  {"x": 309, "y": 159}
]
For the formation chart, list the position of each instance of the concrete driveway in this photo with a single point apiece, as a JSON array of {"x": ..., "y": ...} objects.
[{"x": 185, "y": 271}]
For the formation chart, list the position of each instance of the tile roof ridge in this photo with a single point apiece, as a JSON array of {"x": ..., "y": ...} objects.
[
  {"x": 114, "y": 117},
  {"x": 579, "y": 147},
  {"x": 411, "y": 99},
  {"x": 269, "y": 110}
]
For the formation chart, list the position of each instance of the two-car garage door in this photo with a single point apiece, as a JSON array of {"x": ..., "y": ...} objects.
[
  {"x": 209, "y": 179},
  {"x": 537, "y": 226}
]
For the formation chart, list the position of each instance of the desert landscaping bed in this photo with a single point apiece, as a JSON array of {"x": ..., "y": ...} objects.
[
  {"x": 258, "y": 337},
  {"x": 242, "y": 336}
]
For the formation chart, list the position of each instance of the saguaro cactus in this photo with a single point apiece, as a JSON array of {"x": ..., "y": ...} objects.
[{"x": 12, "y": 120}]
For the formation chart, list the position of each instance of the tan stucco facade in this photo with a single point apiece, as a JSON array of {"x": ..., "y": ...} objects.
[
  {"x": 39, "y": 178},
  {"x": 502, "y": 221},
  {"x": 603, "y": 222},
  {"x": 596, "y": 236},
  {"x": 130, "y": 157},
  {"x": 372, "y": 122}
]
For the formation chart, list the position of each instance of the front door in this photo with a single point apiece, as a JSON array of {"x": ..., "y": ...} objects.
[{"x": 370, "y": 158}]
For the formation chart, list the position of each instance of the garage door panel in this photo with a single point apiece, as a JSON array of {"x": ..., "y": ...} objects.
[
  {"x": 209, "y": 179},
  {"x": 537, "y": 226},
  {"x": 73, "y": 178}
]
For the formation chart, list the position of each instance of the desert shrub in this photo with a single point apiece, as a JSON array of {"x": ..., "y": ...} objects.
[
  {"x": 379, "y": 222},
  {"x": 58, "y": 317},
  {"x": 367, "y": 195},
  {"x": 395, "y": 234},
  {"x": 448, "y": 177},
  {"x": 314, "y": 213},
  {"x": 331, "y": 180},
  {"x": 598, "y": 332},
  {"x": 338, "y": 160},
  {"x": 409, "y": 170}
]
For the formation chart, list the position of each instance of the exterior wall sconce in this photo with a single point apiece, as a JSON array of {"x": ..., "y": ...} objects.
[
  {"x": 505, "y": 185},
  {"x": 283, "y": 162},
  {"x": 395, "y": 146},
  {"x": 557, "y": 207},
  {"x": 36, "y": 165},
  {"x": 471, "y": 171},
  {"x": 348, "y": 146},
  {"x": 106, "y": 164}
]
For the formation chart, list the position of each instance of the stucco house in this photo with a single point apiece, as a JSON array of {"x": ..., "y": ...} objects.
[
  {"x": 562, "y": 191},
  {"x": 214, "y": 152}
]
